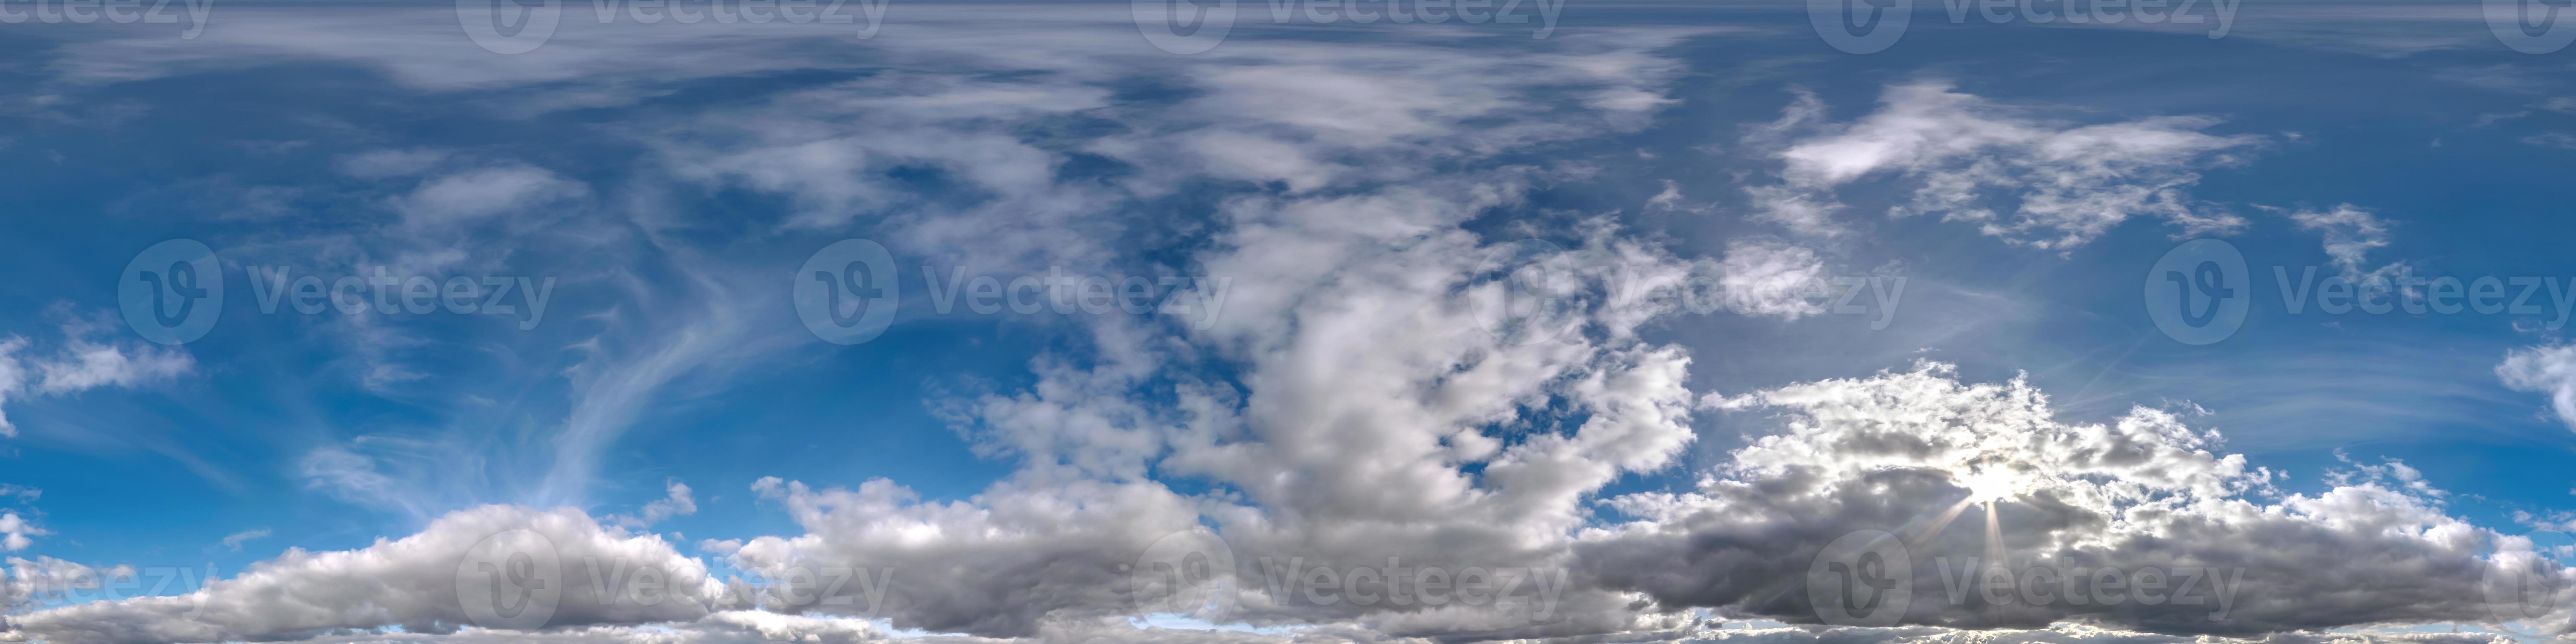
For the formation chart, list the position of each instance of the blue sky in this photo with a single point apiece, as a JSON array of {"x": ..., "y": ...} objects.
[{"x": 1341, "y": 204}]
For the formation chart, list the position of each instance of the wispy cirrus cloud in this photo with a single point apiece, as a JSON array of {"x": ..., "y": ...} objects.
[
  {"x": 81, "y": 362},
  {"x": 2029, "y": 180}
]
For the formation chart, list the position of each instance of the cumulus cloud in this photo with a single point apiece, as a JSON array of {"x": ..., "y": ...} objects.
[
  {"x": 1908, "y": 452},
  {"x": 676, "y": 502},
  {"x": 2026, "y": 179},
  {"x": 1375, "y": 416},
  {"x": 1362, "y": 403},
  {"x": 994, "y": 564},
  {"x": 16, "y": 533},
  {"x": 723, "y": 627},
  {"x": 2547, "y": 369},
  {"x": 49, "y": 581},
  {"x": 411, "y": 583}
]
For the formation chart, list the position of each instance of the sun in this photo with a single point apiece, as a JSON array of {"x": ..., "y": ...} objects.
[{"x": 1989, "y": 484}]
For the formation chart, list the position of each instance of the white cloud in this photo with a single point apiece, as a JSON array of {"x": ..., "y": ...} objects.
[
  {"x": 1772, "y": 278},
  {"x": 235, "y": 540},
  {"x": 1351, "y": 408},
  {"x": 1907, "y": 452},
  {"x": 2350, "y": 234},
  {"x": 81, "y": 364},
  {"x": 676, "y": 503},
  {"x": 15, "y": 532},
  {"x": 1668, "y": 200},
  {"x": 409, "y": 583},
  {"x": 2066, "y": 184},
  {"x": 2546, "y": 369},
  {"x": 47, "y": 580},
  {"x": 351, "y": 477},
  {"x": 476, "y": 194},
  {"x": 381, "y": 164},
  {"x": 2552, "y": 140}
]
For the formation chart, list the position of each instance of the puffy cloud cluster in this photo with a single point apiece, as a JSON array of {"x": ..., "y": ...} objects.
[
  {"x": 46, "y": 579},
  {"x": 1370, "y": 398},
  {"x": 2547, "y": 369},
  {"x": 1908, "y": 452},
  {"x": 2067, "y": 184},
  {"x": 411, "y": 583},
  {"x": 677, "y": 502},
  {"x": 15, "y": 532}
]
